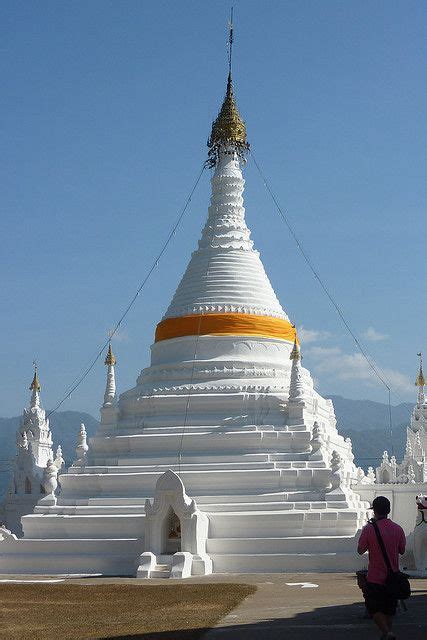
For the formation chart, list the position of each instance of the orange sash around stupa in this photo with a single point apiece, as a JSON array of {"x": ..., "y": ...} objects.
[{"x": 225, "y": 324}]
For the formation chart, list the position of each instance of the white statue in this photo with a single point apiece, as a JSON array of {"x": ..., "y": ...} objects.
[
  {"x": 420, "y": 535},
  {"x": 336, "y": 468},
  {"x": 360, "y": 474},
  {"x": 50, "y": 478}
]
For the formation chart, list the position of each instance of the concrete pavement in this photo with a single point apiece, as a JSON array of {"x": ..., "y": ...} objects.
[{"x": 282, "y": 608}]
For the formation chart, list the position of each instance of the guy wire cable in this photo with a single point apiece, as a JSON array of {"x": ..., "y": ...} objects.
[
  {"x": 155, "y": 263},
  {"x": 325, "y": 289}
]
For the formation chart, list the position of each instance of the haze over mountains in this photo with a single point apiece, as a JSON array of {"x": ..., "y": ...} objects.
[
  {"x": 364, "y": 421},
  {"x": 367, "y": 424}
]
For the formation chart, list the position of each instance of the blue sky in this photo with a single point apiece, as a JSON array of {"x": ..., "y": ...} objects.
[{"x": 106, "y": 110}]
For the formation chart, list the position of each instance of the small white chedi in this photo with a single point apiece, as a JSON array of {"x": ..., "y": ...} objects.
[
  {"x": 35, "y": 468},
  {"x": 413, "y": 468},
  {"x": 223, "y": 457}
]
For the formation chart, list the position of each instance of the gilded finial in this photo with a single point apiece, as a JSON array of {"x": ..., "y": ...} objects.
[
  {"x": 295, "y": 353},
  {"x": 110, "y": 358},
  {"x": 420, "y": 381},
  {"x": 228, "y": 128},
  {"x": 35, "y": 384}
]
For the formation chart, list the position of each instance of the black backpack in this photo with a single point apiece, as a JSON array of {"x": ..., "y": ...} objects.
[{"x": 397, "y": 583}]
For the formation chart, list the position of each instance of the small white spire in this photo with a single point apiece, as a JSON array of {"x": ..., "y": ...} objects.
[
  {"x": 110, "y": 388},
  {"x": 316, "y": 438},
  {"x": 59, "y": 460},
  {"x": 35, "y": 389},
  {"x": 82, "y": 446},
  {"x": 296, "y": 387},
  {"x": 371, "y": 474},
  {"x": 420, "y": 381}
]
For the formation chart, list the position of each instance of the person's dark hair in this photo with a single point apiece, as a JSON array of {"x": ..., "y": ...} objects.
[{"x": 381, "y": 506}]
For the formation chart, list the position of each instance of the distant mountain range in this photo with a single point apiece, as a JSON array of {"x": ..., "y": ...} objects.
[
  {"x": 364, "y": 421},
  {"x": 367, "y": 424}
]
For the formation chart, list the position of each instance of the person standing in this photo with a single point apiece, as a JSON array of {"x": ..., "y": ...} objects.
[{"x": 380, "y": 604}]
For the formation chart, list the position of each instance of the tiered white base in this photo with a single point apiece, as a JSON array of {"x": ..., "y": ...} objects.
[{"x": 268, "y": 511}]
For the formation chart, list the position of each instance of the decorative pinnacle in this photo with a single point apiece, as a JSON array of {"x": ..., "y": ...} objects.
[
  {"x": 228, "y": 128},
  {"x": 420, "y": 380},
  {"x": 295, "y": 353},
  {"x": 35, "y": 384},
  {"x": 110, "y": 358}
]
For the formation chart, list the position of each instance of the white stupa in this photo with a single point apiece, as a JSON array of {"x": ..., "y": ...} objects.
[
  {"x": 34, "y": 446},
  {"x": 223, "y": 457},
  {"x": 413, "y": 468}
]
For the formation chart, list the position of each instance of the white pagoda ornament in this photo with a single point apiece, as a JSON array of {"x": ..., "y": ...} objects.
[
  {"x": 413, "y": 468},
  {"x": 34, "y": 454},
  {"x": 223, "y": 452}
]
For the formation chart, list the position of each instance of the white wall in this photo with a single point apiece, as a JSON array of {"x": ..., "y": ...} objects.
[{"x": 402, "y": 499}]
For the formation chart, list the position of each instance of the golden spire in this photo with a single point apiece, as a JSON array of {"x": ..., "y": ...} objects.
[
  {"x": 228, "y": 128},
  {"x": 420, "y": 381},
  {"x": 110, "y": 358},
  {"x": 295, "y": 353},
  {"x": 35, "y": 385}
]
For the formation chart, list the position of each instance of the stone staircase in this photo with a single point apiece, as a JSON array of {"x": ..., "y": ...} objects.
[{"x": 163, "y": 567}]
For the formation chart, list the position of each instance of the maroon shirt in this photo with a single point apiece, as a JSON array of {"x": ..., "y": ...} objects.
[{"x": 394, "y": 542}]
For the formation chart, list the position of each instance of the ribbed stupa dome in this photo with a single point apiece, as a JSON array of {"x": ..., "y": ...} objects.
[{"x": 225, "y": 290}]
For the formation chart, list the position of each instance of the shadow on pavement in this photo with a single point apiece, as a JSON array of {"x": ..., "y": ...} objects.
[{"x": 325, "y": 623}]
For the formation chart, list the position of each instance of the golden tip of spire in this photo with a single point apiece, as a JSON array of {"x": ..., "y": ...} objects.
[
  {"x": 110, "y": 358},
  {"x": 420, "y": 381},
  {"x": 35, "y": 384},
  {"x": 228, "y": 128},
  {"x": 295, "y": 353}
]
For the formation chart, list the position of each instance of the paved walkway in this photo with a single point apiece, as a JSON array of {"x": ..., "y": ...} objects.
[{"x": 282, "y": 608}]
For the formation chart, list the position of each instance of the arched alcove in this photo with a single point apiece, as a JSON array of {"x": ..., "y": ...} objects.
[
  {"x": 171, "y": 533},
  {"x": 27, "y": 485},
  {"x": 174, "y": 526},
  {"x": 385, "y": 476}
]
